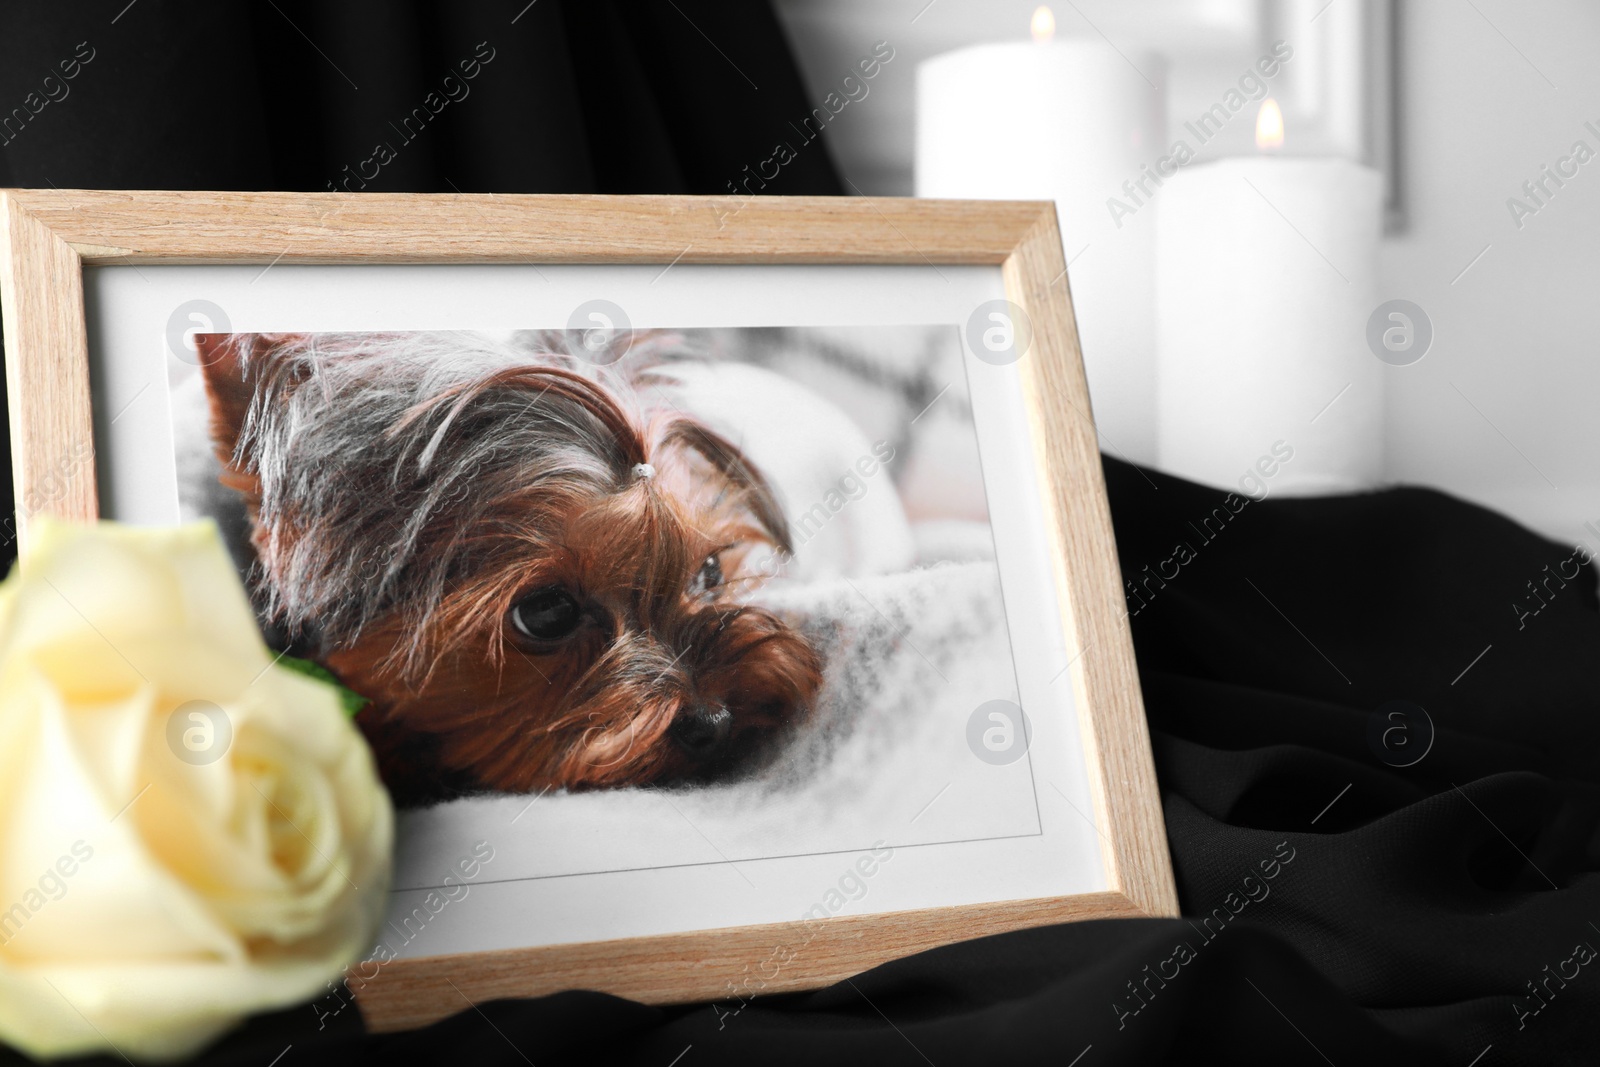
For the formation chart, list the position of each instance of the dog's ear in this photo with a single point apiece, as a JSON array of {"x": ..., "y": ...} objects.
[
  {"x": 231, "y": 364},
  {"x": 726, "y": 457},
  {"x": 229, "y": 394}
]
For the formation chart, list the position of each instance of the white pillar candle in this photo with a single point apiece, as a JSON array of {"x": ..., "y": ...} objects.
[
  {"x": 1266, "y": 271},
  {"x": 1069, "y": 121}
]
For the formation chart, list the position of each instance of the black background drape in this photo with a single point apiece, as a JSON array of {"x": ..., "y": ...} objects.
[{"x": 1422, "y": 905}]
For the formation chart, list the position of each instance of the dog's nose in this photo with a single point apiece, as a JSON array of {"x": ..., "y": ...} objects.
[{"x": 702, "y": 729}]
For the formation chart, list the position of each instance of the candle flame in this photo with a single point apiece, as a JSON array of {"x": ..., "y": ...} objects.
[
  {"x": 1043, "y": 24},
  {"x": 1269, "y": 125}
]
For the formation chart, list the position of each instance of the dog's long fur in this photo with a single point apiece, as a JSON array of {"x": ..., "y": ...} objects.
[{"x": 406, "y": 490}]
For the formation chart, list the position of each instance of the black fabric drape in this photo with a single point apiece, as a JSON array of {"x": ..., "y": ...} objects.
[
  {"x": 606, "y": 96},
  {"x": 1419, "y": 914}
]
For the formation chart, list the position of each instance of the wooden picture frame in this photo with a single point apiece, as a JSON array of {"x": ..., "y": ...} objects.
[{"x": 48, "y": 237}]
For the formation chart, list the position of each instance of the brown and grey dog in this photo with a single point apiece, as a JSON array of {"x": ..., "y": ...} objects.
[{"x": 536, "y": 575}]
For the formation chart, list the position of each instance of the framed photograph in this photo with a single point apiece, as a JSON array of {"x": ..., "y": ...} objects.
[{"x": 730, "y": 580}]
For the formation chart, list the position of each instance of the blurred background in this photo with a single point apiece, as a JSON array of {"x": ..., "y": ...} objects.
[
  {"x": 901, "y": 385},
  {"x": 1247, "y": 292}
]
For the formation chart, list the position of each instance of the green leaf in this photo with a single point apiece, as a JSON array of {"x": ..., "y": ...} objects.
[{"x": 351, "y": 701}]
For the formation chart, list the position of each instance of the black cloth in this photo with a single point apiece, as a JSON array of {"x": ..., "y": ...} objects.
[
  {"x": 580, "y": 96},
  {"x": 1410, "y": 909}
]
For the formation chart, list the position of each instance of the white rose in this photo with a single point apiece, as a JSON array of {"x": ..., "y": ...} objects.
[{"x": 188, "y": 832}]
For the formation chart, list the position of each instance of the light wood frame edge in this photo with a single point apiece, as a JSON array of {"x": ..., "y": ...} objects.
[{"x": 48, "y": 236}]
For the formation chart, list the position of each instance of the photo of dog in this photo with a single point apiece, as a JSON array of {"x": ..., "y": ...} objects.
[
  {"x": 750, "y": 567},
  {"x": 533, "y": 575}
]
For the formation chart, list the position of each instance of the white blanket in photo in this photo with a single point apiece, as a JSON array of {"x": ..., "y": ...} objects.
[{"x": 883, "y": 757}]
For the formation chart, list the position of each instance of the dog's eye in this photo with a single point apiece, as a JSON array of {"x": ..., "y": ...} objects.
[
  {"x": 708, "y": 577},
  {"x": 547, "y": 615}
]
